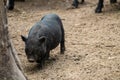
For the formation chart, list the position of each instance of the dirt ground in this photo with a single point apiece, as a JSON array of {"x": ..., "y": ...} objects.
[{"x": 92, "y": 40}]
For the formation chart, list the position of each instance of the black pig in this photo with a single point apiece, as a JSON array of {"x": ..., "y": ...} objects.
[
  {"x": 100, "y": 5},
  {"x": 11, "y": 3},
  {"x": 44, "y": 36},
  {"x": 76, "y": 2}
]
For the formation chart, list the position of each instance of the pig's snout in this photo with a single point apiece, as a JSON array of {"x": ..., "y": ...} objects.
[{"x": 31, "y": 60}]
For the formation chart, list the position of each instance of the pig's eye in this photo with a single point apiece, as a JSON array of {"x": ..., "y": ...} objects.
[{"x": 27, "y": 50}]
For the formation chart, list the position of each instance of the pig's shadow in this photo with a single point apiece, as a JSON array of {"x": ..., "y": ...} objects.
[
  {"x": 47, "y": 63},
  {"x": 36, "y": 66}
]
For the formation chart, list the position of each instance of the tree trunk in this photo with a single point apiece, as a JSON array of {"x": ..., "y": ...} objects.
[{"x": 10, "y": 68}]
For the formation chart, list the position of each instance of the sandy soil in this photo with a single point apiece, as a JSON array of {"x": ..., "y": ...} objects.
[{"x": 92, "y": 40}]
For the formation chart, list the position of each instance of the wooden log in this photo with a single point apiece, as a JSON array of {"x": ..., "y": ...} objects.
[{"x": 10, "y": 66}]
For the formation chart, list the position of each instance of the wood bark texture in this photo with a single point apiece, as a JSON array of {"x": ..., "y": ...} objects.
[{"x": 10, "y": 66}]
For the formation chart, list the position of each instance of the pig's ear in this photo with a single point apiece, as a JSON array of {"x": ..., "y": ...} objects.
[
  {"x": 42, "y": 39},
  {"x": 23, "y": 38}
]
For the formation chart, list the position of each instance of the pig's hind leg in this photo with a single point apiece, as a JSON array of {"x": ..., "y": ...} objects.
[{"x": 62, "y": 43}]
